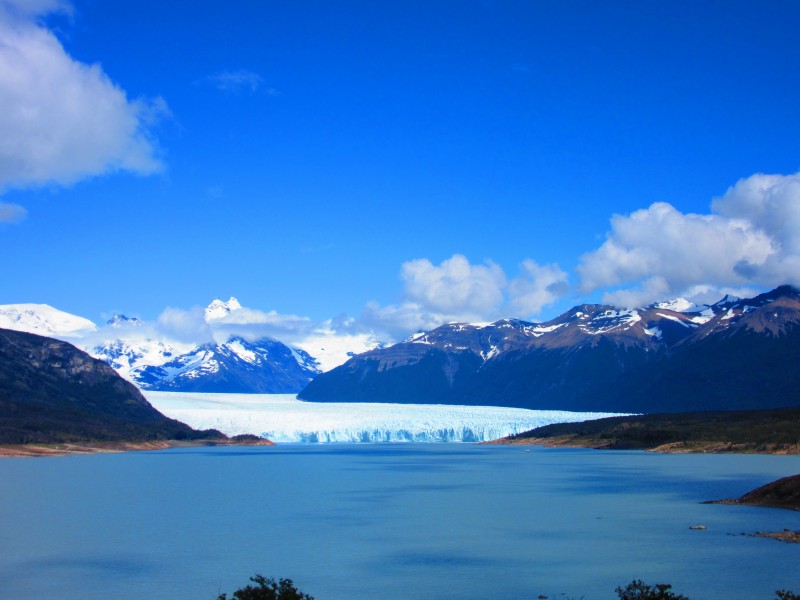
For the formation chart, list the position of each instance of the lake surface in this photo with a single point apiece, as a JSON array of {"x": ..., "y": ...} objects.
[{"x": 390, "y": 521}]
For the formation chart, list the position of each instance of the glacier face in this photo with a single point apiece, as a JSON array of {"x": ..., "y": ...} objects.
[{"x": 282, "y": 418}]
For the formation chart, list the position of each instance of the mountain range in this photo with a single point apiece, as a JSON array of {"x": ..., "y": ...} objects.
[
  {"x": 261, "y": 365},
  {"x": 671, "y": 356},
  {"x": 736, "y": 354}
]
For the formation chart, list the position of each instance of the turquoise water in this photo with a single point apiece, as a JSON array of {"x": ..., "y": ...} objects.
[{"x": 437, "y": 521}]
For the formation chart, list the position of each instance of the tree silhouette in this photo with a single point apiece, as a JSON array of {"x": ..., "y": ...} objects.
[{"x": 268, "y": 589}]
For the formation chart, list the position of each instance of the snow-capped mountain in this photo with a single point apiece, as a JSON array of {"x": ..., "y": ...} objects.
[
  {"x": 236, "y": 365},
  {"x": 43, "y": 319},
  {"x": 121, "y": 322},
  {"x": 265, "y": 366},
  {"x": 219, "y": 310},
  {"x": 131, "y": 355},
  {"x": 734, "y": 354}
]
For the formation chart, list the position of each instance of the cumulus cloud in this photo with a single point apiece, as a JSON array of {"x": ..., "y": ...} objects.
[
  {"x": 62, "y": 120},
  {"x": 751, "y": 238},
  {"x": 770, "y": 203},
  {"x": 455, "y": 286},
  {"x": 457, "y": 290},
  {"x": 399, "y": 320},
  {"x": 11, "y": 213},
  {"x": 537, "y": 287},
  {"x": 254, "y": 324}
]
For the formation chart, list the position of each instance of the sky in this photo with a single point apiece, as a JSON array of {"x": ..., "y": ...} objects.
[{"x": 391, "y": 166}]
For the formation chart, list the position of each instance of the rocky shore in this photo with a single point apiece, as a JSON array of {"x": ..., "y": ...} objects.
[{"x": 783, "y": 493}]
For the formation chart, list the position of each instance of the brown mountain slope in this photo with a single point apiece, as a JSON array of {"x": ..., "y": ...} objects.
[{"x": 51, "y": 392}]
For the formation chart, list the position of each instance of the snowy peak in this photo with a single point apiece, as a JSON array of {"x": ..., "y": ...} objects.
[
  {"x": 43, "y": 319},
  {"x": 772, "y": 312},
  {"x": 482, "y": 339},
  {"x": 121, "y": 321},
  {"x": 219, "y": 309},
  {"x": 264, "y": 366},
  {"x": 727, "y": 301},
  {"x": 127, "y": 355},
  {"x": 680, "y": 305}
]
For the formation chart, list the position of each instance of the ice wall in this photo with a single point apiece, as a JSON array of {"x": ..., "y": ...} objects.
[{"x": 283, "y": 418}]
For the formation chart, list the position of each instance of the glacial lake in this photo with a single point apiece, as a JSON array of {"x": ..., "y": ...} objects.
[{"x": 390, "y": 521}]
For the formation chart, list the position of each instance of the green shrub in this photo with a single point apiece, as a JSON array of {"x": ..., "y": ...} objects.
[
  {"x": 268, "y": 589},
  {"x": 639, "y": 590}
]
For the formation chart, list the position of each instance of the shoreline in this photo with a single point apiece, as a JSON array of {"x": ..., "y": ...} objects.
[
  {"x": 70, "y": 448},
  {"x": 695, "y": 447}
]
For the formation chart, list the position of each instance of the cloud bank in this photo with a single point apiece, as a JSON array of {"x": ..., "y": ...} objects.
[
  {"x": 62, "y": 120},
  {"x": 749, "y": 240}
]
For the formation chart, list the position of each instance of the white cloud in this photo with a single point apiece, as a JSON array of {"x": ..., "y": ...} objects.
[
  {"x": 399, "y": 320},
  {"x": 457, "y": 290},
  {"x": 537, "y": 286},
  {"x": 772, "y": 204},
  {"x": 750, "y": 239},
  {"x": 455, "y": 286},
  {"x": 253, "y": 324},
  {"x": 62, "y": 120},
  {"x": 188, "y": 326},
  {"x": 11, "y": 213}
]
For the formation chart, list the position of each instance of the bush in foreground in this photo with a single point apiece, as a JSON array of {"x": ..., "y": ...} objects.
[
  {"x": 268, "y": 589},
  {"x": 639, "y": 590}
]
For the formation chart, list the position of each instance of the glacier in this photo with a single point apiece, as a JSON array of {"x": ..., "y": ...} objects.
[{"x": 284, "y": 419}]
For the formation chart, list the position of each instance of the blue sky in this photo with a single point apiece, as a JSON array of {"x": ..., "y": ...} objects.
[{"x": 400, "y": 163}]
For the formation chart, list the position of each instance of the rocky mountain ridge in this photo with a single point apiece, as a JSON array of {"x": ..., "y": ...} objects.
[{"x": 734, "y": 354}]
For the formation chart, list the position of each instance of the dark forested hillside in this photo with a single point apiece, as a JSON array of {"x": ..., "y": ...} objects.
[{"x": 52, "y": 392}]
